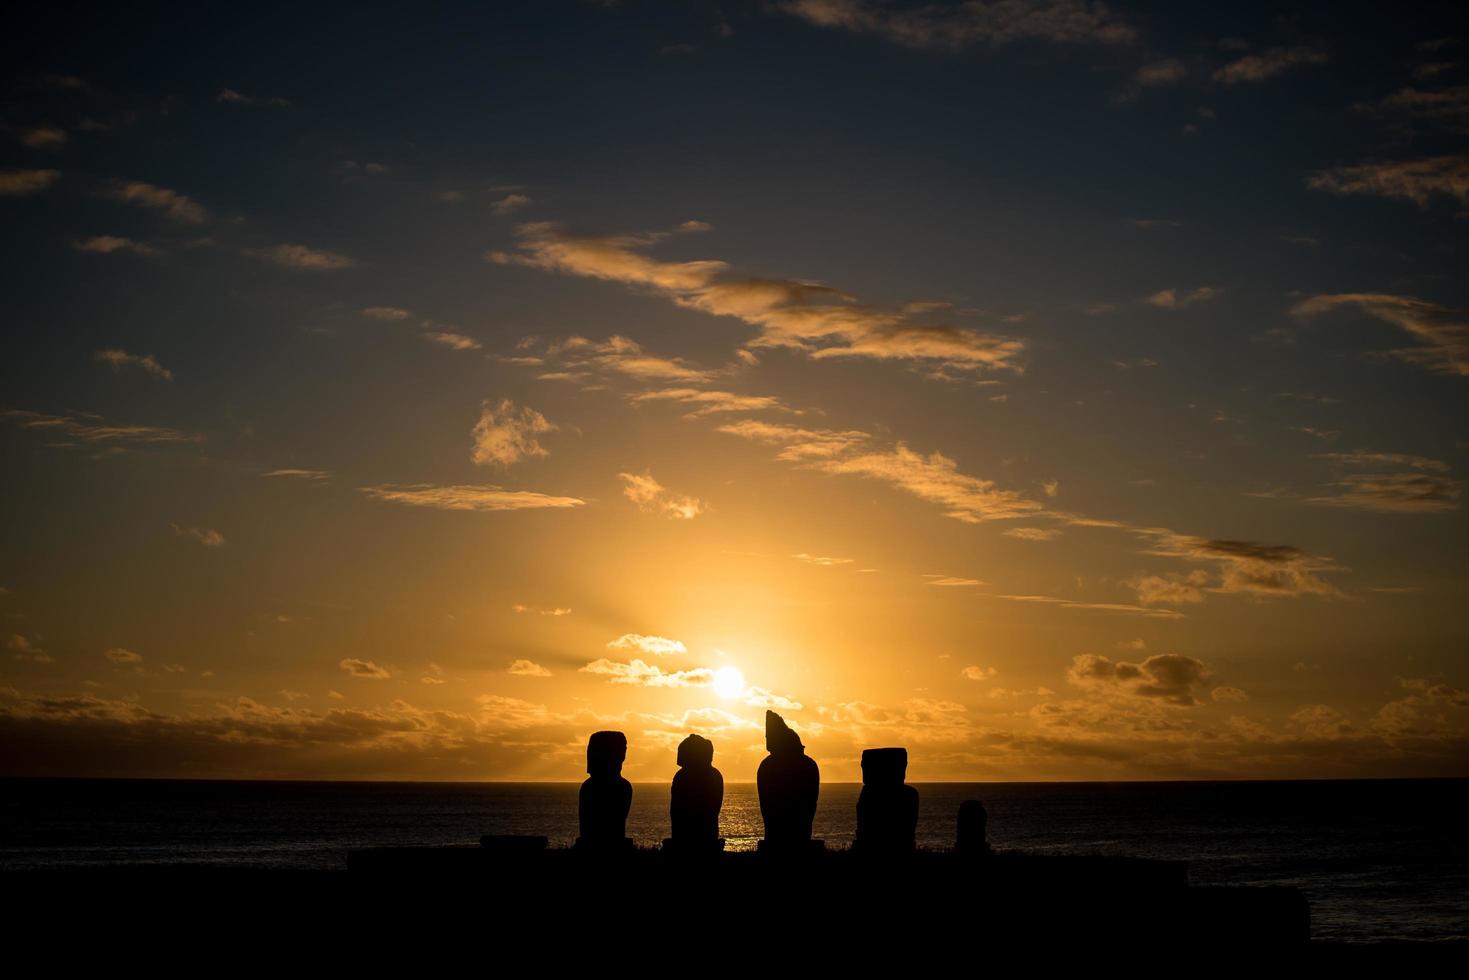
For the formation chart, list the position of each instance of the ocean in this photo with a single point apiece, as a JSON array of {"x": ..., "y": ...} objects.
[{"x": 1378, "y": 859}]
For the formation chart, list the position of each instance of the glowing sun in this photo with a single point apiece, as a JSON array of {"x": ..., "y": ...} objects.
[{"x": 729, "y": 682}]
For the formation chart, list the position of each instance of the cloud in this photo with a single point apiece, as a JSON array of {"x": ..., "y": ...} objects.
[
  {"x": 1231, "y": 695},
  {"x": 206, "y": 536},
  {"x": 363, "y": 668},
  {"x": 231, "y": 97},
  {"x": 510, "y": 202},
  {"x": 821, "y": 560},
  {"x": 1418, "y": 181},
  {"x": 646, "y": 675},
  {"x": 975, "y": 673},
  {"x": 1174, "y": 590},
  {"x": 1259, "y": 67},
  {"x": 797, "y": 443},
  {"x": 314, "y": 475},
  {"x": 175, "y": 205},
  {"x": 1112, "y": 607},
  {"x": 953, "y": 27},
  {"x": 1032, "y": 533},
  {"x": 712, "y": 402},
  {"x": 527, "y": 668},
  {"x": 469, "y": 498},
  {"x": 386, "y": 313},
  {"x": 1448, "y": 107},
  {"x": 521, "y": 607},
  {"x": 93, "y": 428},
  {"x": 619, "y": 355},
  {"x": 120, "y": 359},
  {"x": 107, "y": 244},
  {"x": 1173, "y": 299},
  {"x": 814, "y": 319},
  {"x": 302, "y": 258},
  {"x": 1441, "y": 332},
  {"x": 1167, "y": 677},
  {"x": 658, "y": 646},
  {"x": 1418, "y": 485},
  {"x": 504, "y": 434},
  {"x": 23, "y": 183},
  {"x": 454, "y": 341},
  {"x": 26, "y": 651},
  {"x": 937, "y": 479},
  {"x": 119, "y": 655},
  {"x": 1248, "y": 567},
  {"x": 652, "y": 497},
  {"x": 950, "y": 581},
  {"x": 1160, "y": 73}
]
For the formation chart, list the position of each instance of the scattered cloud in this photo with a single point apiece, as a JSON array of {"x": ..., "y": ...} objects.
[
  {"x": 1411, "y": 484},
  {"x": 296, "y": 474},
  {"x": 1032, "y": 533},
  {"x": 1173, "y": 590},
  {"x": 143, "y": 195},
  {"x": 1167, "y": 677},
  {"x": 510, "y": 202},
  {"x": 658, "y": 646},
  {"x": 363, "y": 668},
  {"x": 822, "y": 560},
  {"x": 527, "y": 668},
  {"x": 1173, "y": 299},
  {"x": 1160, "y": 73},
  {"x": 646, "y": 675},
  {"x": 107, "y": 244},
  {"x": 817, "y": 320},
  {"x": 454, "y": 341},
  {"x": 797, "y": 443},
  {"x": 120, "y": 359},
  {"x": 653, "y": 498},
  {"x": 1112, "y": 607},
  {"x": 89, "y": 428},
  {"x": 975, "y": 673},
  {"x": 207, "y": 536},
  {"x": 1441, "y": 332},
  {"x": 505, "y": 434},
  {"x": 521, "y": 607},
  {"x": 23, "y": 183},
  {"x": 621, "y": 356},
  {"x": 386, "y": 313},
  {"x": 1260, "y": 67},
  {"x": 977, "y": 23},
  {"x": 712, "y": 402},
  {"x": 301, "y": 258},
  {"x": 950, "y": 581},
  {"x": 120, "y": 655},
  {"x": 935, "y": 478},
  {"x": 467, "y": 498},
  {"x": 1417, "y": 181}
]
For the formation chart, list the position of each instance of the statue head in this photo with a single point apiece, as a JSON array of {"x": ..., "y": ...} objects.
[
  {"x": 696, "y": 751},
  {"x": 884, "y": 767},
  {"x": 605, "y": 753},
  {"x": 780, "y": 737}
]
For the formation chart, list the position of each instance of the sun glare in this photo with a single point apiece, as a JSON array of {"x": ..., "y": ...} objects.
[{"x": 729, "y": 682}]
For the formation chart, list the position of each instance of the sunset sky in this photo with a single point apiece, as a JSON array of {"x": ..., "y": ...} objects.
[{"x": 1060, "y": 390}]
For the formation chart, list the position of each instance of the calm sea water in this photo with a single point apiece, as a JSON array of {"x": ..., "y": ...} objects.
[{"x": 1381, "y": 859}]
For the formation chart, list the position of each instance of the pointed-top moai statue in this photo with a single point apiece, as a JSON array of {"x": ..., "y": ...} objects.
[
  {"x": 887, "y": 809},
  {"x": 605, "y": 797},
  {"x": 788, "y": 781},
  {"x": 698, "y": 793},
  {"x": 973, "y": 826}
]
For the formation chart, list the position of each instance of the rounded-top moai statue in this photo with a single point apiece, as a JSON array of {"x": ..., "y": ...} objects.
[
  {"x": 789, "y": 782},
  {"x": 698, "y": 794},
  {"x": 605, "y": 797},
  {"x": 887, "y": 809},
  {"x": 971, "y": 839}
]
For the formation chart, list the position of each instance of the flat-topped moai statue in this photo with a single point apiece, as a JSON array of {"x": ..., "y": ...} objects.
[
  {"x": 605, "y": 797},
  {"x": 887, "y": 809},
  {"x": 698, "y": 793},
  {"x": 973, "y": 827},
  {"x": 788, "y": 781}
]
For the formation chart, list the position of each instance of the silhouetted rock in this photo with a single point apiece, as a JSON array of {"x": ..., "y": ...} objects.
[
  {"x": 887, "y": 810},
  {"x": 788, "y": 781},
  {"x": 698, "y": 794},
  {"x": 605, "y": 797},
  {"x": 973, "y": 827}
]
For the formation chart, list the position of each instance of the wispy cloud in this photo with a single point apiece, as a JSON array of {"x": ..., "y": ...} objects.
[
  {"x": 818, "y": 320},
  {"x": 301, "y": 257},
  {"x": 521, "y": 607},
  {"x": 1418, "y": 181},
  {"x": 1412, "y": 484},
  {"x": 527, "y": 668},
  {"x": 652, "y": 497},
  {"x": 207, "y": 536},
  {"x": 505, "y": 434},
  {"x": 986, "y": 23},
  {"x": 712, "y": 402},
  {"x": 823, "y": 560},
  {"x": 646, "y": 675},
  {"x": 1260, "y": 67},
  {"x": 510, "y": 202},
  {"x": 451, "y": 340},
  {"x": 657, "y": 646},
  {"x": 619, "y": 355},
  {"x": 935, "y": 478},
  {"x": 230, "y": 96},
  {"x": 386, "y": 313},
  {"x": 363, "y": 668},
  {"x": 120, "y": 359},
  {"x": 95, "y": 429},
  {"x": 1442, "y": 332},
  {"x": 296, "y": 474},
  {"x": 144, "y": 195},
  {"x": 950, "y": 581},
  {"x": 121, "y": 655},
  {"x": 108, "y": 244},
  {"x": 1032, "y": 533},
  {"x": 797, "y": 443},
  {"x": 467, "y": 498},
  {"x": 1176, "y": 299},
  {"x": 1168, "y": 677},
  {"x": 1111, "y": 607},
  {"x": 23, "y": 183}
]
